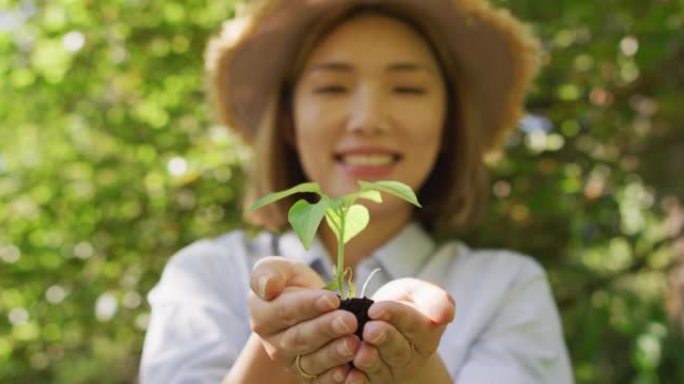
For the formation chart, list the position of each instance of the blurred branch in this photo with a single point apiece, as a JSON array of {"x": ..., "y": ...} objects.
[
  {"x": 656, "y": 77},
  {"x": 639, "y": 265}
]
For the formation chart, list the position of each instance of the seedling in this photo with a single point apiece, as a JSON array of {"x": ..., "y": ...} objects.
[{"x": 346, "y": 218}]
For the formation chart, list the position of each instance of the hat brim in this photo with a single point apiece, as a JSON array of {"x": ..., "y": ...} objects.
[{"x": 496, "y": 57}]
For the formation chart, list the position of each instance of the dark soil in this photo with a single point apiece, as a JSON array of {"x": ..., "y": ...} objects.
[{"x": 359, "y": 307}]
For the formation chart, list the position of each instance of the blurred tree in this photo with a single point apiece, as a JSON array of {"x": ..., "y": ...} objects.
[
  {"x": 593, "y": 184},
  {"x": 110, "y": 162}
]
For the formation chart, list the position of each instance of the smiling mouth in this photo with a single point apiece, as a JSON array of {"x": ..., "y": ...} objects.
[{"x": 367, "y": 160}]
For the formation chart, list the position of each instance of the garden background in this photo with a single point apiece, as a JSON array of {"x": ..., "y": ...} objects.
[{"x": 110, "y": 161}]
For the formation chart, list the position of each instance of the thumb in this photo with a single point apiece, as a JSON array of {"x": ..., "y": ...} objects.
[
  {"x": 429, "y": 299},
  {"x": 271, "y": 275}
]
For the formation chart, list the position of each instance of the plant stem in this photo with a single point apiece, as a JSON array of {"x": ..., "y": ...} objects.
[{"x": 340, "y": 255}]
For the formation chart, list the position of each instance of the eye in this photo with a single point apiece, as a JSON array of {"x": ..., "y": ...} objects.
[
  {"x": 330, "y": 89},
  {"x": 410, "y": 90}
]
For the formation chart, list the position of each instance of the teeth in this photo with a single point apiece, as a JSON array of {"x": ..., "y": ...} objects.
[{"x": 368, "y": 160}]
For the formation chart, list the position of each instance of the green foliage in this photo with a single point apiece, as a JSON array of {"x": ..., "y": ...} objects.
[
  {"x": 305, "y": 219},
  {"x": 348, "y": 223},
  {"x": 109, "y": 163},
  {"x": 597, "y": 196},
  {"x": 395, "y": 188},
  {"x": 344, "y": 217},
  {"x": 273, "y": 197}
]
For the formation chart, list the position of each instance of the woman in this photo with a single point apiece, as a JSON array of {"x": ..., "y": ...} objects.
[{"x": 337, "y": 91}]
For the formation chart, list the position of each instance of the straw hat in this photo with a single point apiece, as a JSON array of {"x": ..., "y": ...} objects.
[{"x": 496, "y": 57}]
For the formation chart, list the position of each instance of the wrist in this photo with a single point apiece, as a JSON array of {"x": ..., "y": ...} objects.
[
  {"x": 254, "y": 365},
  {"x": 432, "y": 371}
]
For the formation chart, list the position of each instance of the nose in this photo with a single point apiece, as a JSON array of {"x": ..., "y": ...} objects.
[{"x": 367, "y": 113}]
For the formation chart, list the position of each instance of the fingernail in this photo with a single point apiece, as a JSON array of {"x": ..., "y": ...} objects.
[
  {"x": 326, "y": 303},
  {"x": 378, "y": 314},
  {"x": 370, "y": 362},
  {"x": 263, "y": 281},
  {"x": 340, "y": 326},
  {"x": 380, "y": 337},
  {"x": 343, "y": 348}
]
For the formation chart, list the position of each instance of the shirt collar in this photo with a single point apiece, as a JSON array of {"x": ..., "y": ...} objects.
[
  {"x": 406, "y": 253},
  {"x": 402, "y": 256}
]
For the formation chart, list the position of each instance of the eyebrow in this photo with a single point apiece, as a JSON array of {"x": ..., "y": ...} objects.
[
  {"x": 406, "y": 67},
  {"x": 344, "y": 67},
  {"x": 332, "y": 66}
]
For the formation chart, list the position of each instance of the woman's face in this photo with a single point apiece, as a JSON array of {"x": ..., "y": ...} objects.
[{"x": 370, "y": 104}]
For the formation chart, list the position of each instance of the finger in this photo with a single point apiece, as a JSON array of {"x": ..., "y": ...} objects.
[
  {"x": 395, "y": 350},
  {"x": 431, "y": 300},
  {"x": 336, "y": 353},
  {"x": 356, "y": 376},
  {"x": 419, "y": 330},
  {"x": 335, "y": 375},
  {"x": 368, "y": 361},
  {"x": 311, "y": 335},
  {"x": 272, "y": 274},
  {"x": 269, "y": 317}
]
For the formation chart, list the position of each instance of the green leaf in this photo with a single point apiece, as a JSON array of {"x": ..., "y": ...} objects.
[
  {"x": 349, "y": 199},
  {"x": 305, "y": 218},
  {"x": 395, "y": 188},
  {"x": 332, "y": 217},
  {"x": 371, "y": 195},
  {"x": 356, "y": 219},
  {"x": 275, "y": 196}
]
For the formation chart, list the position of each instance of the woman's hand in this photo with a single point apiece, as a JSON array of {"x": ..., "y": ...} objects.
[
  {"x": 407, "y": 322},
  {"x": 293, "y": 317}
]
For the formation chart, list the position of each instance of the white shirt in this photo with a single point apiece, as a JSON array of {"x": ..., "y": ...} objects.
[{"x": 506, "y": 329}]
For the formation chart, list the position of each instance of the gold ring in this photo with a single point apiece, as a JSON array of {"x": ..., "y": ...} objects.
[{"x": 301, "y": 370}]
